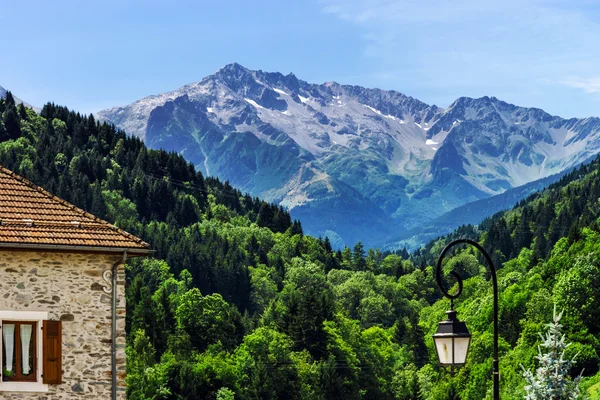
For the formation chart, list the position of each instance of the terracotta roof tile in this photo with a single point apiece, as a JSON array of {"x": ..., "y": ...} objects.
[{"x": 29, "y": 215}]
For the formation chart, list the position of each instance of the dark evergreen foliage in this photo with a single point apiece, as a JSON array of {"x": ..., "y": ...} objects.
[{"x": 238, "y": 303}]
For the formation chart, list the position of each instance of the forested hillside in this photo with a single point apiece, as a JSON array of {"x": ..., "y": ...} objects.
[
  {"x": 472, "y": 213},
  {"x": 238, "y": 303},
  {"x": 537, "y": 222}
]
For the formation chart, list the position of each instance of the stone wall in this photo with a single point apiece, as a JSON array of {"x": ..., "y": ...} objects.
[{"x": 70, "y": 287}]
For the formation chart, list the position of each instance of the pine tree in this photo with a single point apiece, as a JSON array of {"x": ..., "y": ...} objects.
[
  {"x": 540, "y": 244},
  {"x": 358, "y": 257},
  {"x": 404, "y": 254},
  {"x": 266, "y": 215},
  {"x": 22, "y": 111},
  {"x": 98, "y": 206},
  {"x": 3, "y": 135},
  {"x": 296, "y": 228},
  {"x": 327, "y": 245},
  {"x": 11, "y": 123},
  {"x": 551, "y": 380},
  {"x": 9, "y": 100}
]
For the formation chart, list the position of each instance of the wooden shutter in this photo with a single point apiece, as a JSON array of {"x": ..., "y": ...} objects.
[{"x": 52, "y": 352}]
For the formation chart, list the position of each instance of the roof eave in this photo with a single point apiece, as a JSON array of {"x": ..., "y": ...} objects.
[
  {"x": 80, "y": 211},
  {"x": 131, "y": 251}
]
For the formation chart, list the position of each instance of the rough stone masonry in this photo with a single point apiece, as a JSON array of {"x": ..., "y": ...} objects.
[{"x": 71, "y": 288}]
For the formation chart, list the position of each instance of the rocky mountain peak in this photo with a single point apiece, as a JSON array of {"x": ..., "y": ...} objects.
[
  {"x": 378, "y": 153},
  {"x": 232, "y": 68}
]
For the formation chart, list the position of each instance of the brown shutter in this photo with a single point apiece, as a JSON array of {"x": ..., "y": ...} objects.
[{"x": 52, "y": 352}]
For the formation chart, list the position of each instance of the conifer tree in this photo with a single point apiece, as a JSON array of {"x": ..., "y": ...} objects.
[
  {"x": 9, "y": 100},
  {"x": 3, "y": 136},
  {"x": 22, "y": 111},
  {"x": 10, "y": 119},
  {"x": 551, "y": 380},
  {"x": 358, "y": 257}
]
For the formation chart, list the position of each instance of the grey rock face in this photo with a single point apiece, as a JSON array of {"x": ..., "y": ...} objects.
[{"x": 356, "y": 163}]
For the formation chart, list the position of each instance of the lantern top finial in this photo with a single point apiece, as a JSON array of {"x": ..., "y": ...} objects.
[{"x": 452, "y": 326}]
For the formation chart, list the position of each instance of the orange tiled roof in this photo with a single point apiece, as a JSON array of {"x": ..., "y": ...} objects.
[{"x": 29, "y": 215}]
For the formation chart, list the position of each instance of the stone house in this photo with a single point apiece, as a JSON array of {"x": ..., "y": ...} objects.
[{"x": 62, "y": 297}]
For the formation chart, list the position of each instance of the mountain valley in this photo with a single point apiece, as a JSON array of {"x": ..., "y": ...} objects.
[{"x": 354, "y": 163}]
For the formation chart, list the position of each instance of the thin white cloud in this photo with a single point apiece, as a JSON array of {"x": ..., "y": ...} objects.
[
  {"x": 507, "y": 46},
  {"x": 407, "y": 11},
  {"x": 588, "y": 85}
]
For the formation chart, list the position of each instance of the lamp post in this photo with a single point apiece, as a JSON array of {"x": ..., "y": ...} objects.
[{"x": 452, "y": 338}]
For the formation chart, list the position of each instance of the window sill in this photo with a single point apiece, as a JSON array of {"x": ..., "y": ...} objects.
[{"x": 36, "y": 387}]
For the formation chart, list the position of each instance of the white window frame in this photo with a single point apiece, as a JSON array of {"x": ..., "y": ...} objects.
[{"x": 27, "y": 316}]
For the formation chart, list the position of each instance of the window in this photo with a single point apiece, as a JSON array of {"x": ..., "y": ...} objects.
[
  {"x": 19, "y": 351},
  {"x": 30, "y": 351}
]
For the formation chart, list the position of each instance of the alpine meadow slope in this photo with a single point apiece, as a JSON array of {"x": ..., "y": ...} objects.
[{"x": 355, "y": 163}]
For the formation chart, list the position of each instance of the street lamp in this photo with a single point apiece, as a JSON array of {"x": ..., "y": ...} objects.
[
  {"x": 452, "y": 341},
  {"x": 452, "y": 338}
]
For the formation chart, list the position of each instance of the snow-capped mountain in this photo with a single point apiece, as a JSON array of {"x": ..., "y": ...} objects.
[{"x": 360, "y": 163}]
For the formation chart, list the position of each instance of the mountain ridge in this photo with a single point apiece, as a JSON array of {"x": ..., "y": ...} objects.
[
  {"x": 3, "y": 92},
  {"x": 272, "y": 134},
  {"x": 474, "y": 213}
]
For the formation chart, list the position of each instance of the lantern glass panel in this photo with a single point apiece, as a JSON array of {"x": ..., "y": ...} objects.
[{"x": 444, "y": 349}]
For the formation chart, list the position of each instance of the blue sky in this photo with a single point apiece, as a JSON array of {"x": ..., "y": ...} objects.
[{"x": 91, "y": 55}]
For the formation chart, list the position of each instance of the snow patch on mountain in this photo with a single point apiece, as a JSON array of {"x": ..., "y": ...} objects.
[
  {"x": 410, "y": 160},
  {"x": 254, "y": 103},
  {"x": 384, "y": 115}
]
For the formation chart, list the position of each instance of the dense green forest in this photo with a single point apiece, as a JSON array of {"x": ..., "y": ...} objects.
[{"x": 238, "y": 304}]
